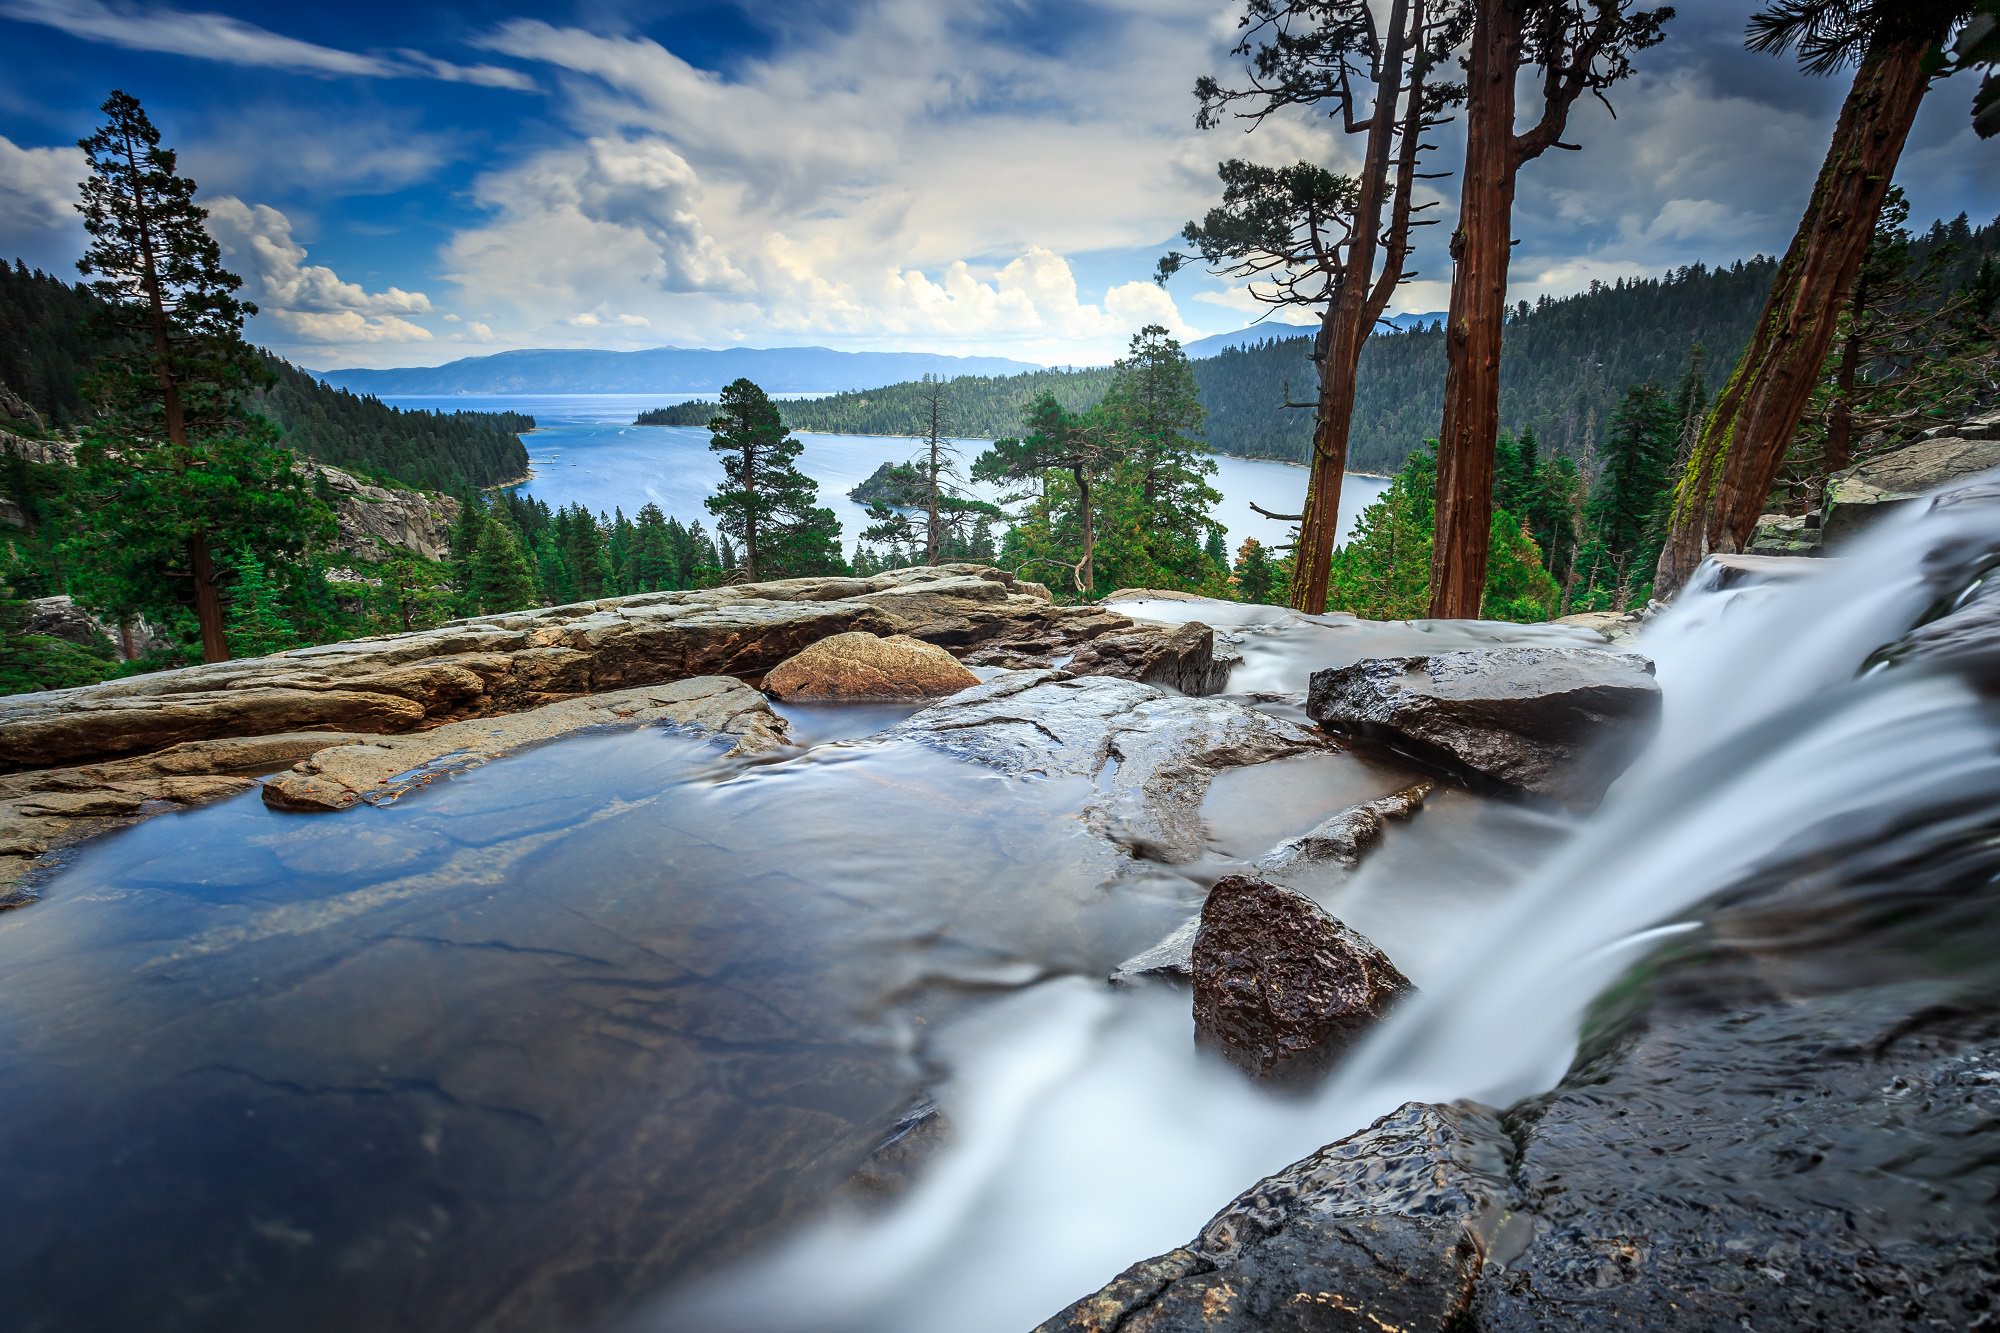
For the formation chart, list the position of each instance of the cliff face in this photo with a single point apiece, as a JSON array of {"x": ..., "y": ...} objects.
[{"x": 373, "y": 519}]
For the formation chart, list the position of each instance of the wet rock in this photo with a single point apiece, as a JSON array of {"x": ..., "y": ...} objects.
[
  {"x": 1383, "y": 1230},
  {"x": 1151, "y": 754},
  {"x": 896, "y": 1162},
  {"x": 1344, "y": 839},
  {"x": 1722, "y": 571},
  {"x": 1280, "y": 987},
  {"x": 1556, "y": 722},
  {"x": 1177, "y": 657},
  {"x": 1861, "y": 495},
  {"x": 862, "y": 666},
  {"x": 507, "y": 663},
  {"x": 1171, "y": 959},
  {"x": 376, "y": 772}
]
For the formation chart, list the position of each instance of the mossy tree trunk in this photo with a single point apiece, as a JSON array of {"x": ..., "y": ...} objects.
[{"x": 1743, "y": 443}]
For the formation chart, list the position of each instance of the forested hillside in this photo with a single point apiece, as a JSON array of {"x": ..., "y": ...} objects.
[
  {"x": 49, "y": 338},
  {"x": 1567, "y": 364}
]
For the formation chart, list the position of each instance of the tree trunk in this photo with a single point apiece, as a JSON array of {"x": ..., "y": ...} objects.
[
  {"x": 207, "y": 600},
  {"x": 933, "y": 538},
  {"x": 1086, "y": 570},
  {"x": 1478, "y": 313},
  {"x": 1351, "y": 316},
  {"x": 749, "y": 522},
  {"x": 1743, "y": 444},
  {"x": 1840, "y": 417}
]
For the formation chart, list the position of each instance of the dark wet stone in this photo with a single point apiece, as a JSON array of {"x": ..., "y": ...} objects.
[
  {"x": 1344, "y": 839},
  {"x": 1555, "y": 722},
  {"x": 1177, "y": 657},
  {"x": 1280, "y": 987},
  {"x": 1172, "y": 959},
  {"x": 1380, "y": 1231}
]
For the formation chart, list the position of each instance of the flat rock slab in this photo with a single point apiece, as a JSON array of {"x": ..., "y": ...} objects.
[
  {"x": 857, "y": 666},
  {"x": 1556, "y": 722},
  {"x": 378, "y": 771},
  {"x": 1151, "y": 754},
  {"x": 508, "y": 663},
  {"x": 1281, "y": 988},
  {"x": 1380, "y": 1231},
  {"x": 1859, "y": 496}
]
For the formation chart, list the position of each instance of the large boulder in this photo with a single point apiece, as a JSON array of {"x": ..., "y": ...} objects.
[
  {"x": 858, "y": 666},
  {"x": 1555, "y": 722},
  {"x": 1857, "y": 497},
  {"x": 1178, "y": 657},
  {"x": 375, "y": 520},
  {"x": 1385, "y": 1230},
  {"x": 1280, "y": 987},
  {"x": 61, "y": 618}
]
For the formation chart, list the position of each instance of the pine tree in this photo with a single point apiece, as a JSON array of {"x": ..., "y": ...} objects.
[
  {"x": 764, "y": 501},
  {"x": 1159, "y": 486},
  {"x": 1256, "y": 576},
  {"x": 1626, "y": 511},
  {"x": 501, "y": 578},
  {"x": 256, "y": 624},
  {"x": 171, "y": 469}
]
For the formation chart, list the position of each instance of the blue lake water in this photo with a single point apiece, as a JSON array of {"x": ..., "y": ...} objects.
[{"x": 586, "y": 451}]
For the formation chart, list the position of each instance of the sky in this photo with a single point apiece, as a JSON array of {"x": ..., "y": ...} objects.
[{"x": 408, "y": 184}]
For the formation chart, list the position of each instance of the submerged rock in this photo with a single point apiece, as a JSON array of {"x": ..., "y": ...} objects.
[
  {"x": 1172, "y": 958},
  {"x": 378, "y": 771},
  {"x": 1282, "y": 988},
  {"x": 1555, "y": 722},
  {"x": 1384, "y": 1230},
  {"x": 1178, "y": 657},
  {"x": 1150, "y": 754},
  {"x": 1723, "y": 570},
  {"x": 862, "y": 666},
  {"x": 1345, "y": 838}
]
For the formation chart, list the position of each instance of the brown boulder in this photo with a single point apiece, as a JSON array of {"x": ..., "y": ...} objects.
[
  {"x": 1176, "y": 657},
  {"x": 862, "y": 666},
  {"x": 1280, "y": 987}
]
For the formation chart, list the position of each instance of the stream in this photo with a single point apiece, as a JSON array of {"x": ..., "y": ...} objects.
[{"x": 614, "y": 1033}]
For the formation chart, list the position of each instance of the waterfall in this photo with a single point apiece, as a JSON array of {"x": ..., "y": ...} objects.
[{"x": 1088, "y": 1133}]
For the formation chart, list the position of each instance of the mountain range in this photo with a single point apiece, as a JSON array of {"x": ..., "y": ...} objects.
[
  {"x": 1275, "y": 330},
  {"x": 663, "y": 370}
]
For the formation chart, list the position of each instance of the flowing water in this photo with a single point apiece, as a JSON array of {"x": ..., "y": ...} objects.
[{"x": 822, "y": 1042}]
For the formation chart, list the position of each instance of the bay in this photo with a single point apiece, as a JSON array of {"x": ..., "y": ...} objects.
[{"x": 585, "y": 450}]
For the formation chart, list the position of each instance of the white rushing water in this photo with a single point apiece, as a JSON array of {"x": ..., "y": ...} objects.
[{"x": 1087, "y": 1133}]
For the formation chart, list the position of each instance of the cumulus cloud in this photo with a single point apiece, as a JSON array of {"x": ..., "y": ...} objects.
[
  {"x": 220, "y": 37},
  {"x": 310, "y": 302},
  {"x": 38, "y": 191}
]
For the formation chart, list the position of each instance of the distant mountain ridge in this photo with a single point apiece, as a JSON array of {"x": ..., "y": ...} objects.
[
  {"x": 664, "y": 370},
  {"x": 1274, "y": 331}
]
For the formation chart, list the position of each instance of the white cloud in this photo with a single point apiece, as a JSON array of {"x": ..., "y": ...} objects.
[
  {"x": 310, "y": 302},
  {"x": 220, "y": 37},
  {"x": 38, "y": 191}
]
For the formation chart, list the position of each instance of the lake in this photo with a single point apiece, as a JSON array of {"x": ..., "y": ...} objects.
[{"x": 586, "y": 451}]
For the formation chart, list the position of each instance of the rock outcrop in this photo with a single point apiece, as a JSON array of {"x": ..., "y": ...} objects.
[
  {"x": 1175, "y": 657},
  {"x": 1281, "y": 988},
  {"x": 62, "y": 618},
  {"x": 1385, "y": 1230},
  {"x": 376, "y": 772},
  {"x": 1150, "y": 754},
  {"x": 376, "y": 520},
  {"x": 860, "y": 666},
  {"x": 507, "y": 663},
  {"x": 1555, "y": 722},
  {"x": 1861, "y": 495}
]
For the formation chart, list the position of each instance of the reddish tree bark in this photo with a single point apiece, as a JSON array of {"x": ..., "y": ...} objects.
[{"x": 1743, "y": 444}]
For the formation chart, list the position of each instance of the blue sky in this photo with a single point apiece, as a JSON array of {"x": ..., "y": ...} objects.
[{"x": 407, "y": 184}]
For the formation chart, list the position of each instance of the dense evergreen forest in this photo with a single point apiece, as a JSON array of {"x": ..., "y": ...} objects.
[
  {"x": 50, "y": 335},
  {"x": 1567, "y": 364}
]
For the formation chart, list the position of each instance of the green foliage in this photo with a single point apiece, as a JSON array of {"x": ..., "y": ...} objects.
[
  {"x": 1383, "y": 571},
  {"x": 1257, "y": 576},
  {"x": 764, "y": 501},
  {"x": 1629, "y": 508},
  {"x": 499, "y": 576},
  {"x": 257, "y": 623}
]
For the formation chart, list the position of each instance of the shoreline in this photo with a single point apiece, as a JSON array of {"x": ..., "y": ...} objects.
[{"x": 973, "y": 439}]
